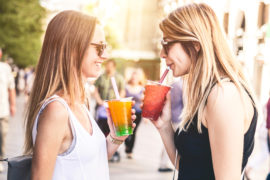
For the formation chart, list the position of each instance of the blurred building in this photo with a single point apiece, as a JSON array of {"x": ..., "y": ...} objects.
[
  {"x": 137, "y": 22},
  {"x": 135, "y": 30}
]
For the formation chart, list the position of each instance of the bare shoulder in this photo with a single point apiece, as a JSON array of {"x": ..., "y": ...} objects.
[
  {"x": 55, "y": 114},
  {"x": 224, "y": 103},
  {"x": 226, "y": 92},
  {"x": 51, "y": 132}
]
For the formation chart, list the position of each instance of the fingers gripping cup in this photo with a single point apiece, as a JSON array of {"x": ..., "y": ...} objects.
[
  {"x": 121, "y": 116},
  {"x": 155, "y": 95}
]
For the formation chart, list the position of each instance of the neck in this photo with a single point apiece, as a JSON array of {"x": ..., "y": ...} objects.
[
  {"x": 111, "y": 73},
  {"x": 133, "y": 84}
]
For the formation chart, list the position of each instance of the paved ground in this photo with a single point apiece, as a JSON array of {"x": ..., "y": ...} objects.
[
  {"x": 15, "y": 137},
  {"x": 146, "y": 159},
  {"x": 143, "y": 166}
]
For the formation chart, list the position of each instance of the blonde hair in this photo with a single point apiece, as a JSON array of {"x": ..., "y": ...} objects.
[
  {"x": 67, "y": 38},
  {"x": 197, "y": 23},
  {"x": 140, "y": 74}
]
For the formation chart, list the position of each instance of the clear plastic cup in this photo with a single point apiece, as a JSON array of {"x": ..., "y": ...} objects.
[
  {"x": 154, "y": 98},
  {"x": 121, "y": 115}
]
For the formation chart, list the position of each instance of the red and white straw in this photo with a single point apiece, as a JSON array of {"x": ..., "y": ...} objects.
[{"x": 164, "y": 75}]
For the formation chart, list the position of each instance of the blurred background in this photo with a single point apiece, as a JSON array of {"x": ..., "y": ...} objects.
[{"x": 133, "y": 34}]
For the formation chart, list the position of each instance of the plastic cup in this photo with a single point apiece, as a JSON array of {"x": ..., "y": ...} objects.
[
  {"x": 121, "y": 116},
  {"x": 154, "y": 98}
]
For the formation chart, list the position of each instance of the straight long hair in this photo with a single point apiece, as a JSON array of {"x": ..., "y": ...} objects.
[
  {"x": 67, "y": 38},
  {"x": 197, "y": 23}
]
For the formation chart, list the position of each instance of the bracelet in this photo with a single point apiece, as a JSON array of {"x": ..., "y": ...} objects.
[{"x": 115, "y": 141}]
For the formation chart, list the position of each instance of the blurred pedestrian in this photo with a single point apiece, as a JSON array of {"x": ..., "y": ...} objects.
[
  {"x": 29, "y": 80},
  {"x": 216, "y": 134},
  {"x": 134, "y": 88},
  {"x": 7, "y": 103},
  {"x": 20, "y": 82},
  {"x": 104, "y": 91},
  {"x": 64, "y": 138}
]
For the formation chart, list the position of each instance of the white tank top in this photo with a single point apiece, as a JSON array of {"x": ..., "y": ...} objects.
[{"x": 86, "y": 159}]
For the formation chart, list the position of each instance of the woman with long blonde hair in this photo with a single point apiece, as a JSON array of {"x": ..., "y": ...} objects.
[
  {"x": 63, "y": 137},
  {"x": 216, "y": 135}
]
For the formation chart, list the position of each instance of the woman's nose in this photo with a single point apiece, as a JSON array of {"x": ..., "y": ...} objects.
[{"x": 162, "y": 54}]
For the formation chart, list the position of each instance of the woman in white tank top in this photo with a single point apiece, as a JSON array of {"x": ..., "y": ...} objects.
[{"x": 63, "y": 137}]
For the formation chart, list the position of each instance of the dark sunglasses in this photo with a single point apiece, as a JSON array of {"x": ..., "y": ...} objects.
[
  {"x": 166, "y": 45},
  {"x": 100, "y": 47}
]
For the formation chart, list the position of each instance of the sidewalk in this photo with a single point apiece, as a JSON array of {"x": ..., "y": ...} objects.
[
  {"x": 146, "y": 157},
  {"x": 15, "y": 136},
  {"x": 143, "y": 166}
]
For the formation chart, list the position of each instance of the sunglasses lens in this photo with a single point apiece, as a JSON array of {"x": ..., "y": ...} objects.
[
  {"x": 100, "y": 52},
  {"x": 164, "y": 46},
  {"x": 100, "y": 48},
  {"x": 165, "y": 49}
]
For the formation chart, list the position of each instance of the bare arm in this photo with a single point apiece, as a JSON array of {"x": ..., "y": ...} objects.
[
  {"x": 167, "y": 136},
  {"x": 12, "y": 101},
  {"x": 111, "y": 147},
  {"x": 52, "y": 126},
  {"x": 164, "y": 126},
  {"x": 225, "y": 116}
]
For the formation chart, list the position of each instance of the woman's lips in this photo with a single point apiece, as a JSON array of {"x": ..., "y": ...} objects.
[{"x": 171, "y": 66}]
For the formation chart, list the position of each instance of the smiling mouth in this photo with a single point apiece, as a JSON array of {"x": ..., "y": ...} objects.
[{"x": 98, "y": 64}]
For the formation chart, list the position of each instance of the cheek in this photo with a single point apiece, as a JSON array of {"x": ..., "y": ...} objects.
[
  {"x": 89, "y": 57},
  {"x": 88, "y": 65},
  {"x": 182, "y": 65}
]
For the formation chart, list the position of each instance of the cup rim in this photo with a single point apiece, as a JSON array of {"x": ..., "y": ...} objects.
[
  {"x": 128, "y": 99},
  {"x": 157, "y": 83}
]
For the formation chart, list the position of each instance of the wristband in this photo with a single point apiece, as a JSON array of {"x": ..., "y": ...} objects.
[{"x": 115, "y": 141}]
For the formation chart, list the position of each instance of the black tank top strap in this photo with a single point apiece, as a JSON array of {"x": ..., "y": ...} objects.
[
  {"x": 213, "y": 85},
  {"x": 222, "y": 78}
]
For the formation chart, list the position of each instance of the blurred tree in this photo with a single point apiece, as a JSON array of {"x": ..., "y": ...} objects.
[
  {"x": 109, "y": 25},
  {"x": 21, "y": 30}
]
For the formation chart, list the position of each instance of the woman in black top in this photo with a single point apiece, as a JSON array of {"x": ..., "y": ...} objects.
[{"x": 216, "y": 135}]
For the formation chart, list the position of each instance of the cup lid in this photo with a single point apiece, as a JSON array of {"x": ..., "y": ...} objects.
[
  {"x": 149, "y": 82},
  {"x": 126, "y": 99}
]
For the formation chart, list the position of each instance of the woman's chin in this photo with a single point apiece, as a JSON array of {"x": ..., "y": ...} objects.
[
  {"x": 94, "y": 75},
  {"x": 175, "y": 73},
  {"x": 178, "y": 74}
]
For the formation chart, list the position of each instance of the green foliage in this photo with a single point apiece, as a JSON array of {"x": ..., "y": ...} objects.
[
  {"x": 21, "y": 30},
  {"x": 109, "y": 27},
  {"x": 111, "y": 35}
]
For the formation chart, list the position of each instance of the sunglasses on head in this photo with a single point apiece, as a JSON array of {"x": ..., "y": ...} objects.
[
  {"x": 166, "y": 45},
  {"x": 100, "y": 47}
]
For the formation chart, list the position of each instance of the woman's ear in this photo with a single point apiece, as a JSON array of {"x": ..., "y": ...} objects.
[{"x": 197, "y": 46}]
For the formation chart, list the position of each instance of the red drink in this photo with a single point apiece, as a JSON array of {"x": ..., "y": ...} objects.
[{"x": 155, "y": 95}]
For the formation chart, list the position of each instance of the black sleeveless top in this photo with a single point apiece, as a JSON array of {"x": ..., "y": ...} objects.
[{"x": 195, "y": 152}]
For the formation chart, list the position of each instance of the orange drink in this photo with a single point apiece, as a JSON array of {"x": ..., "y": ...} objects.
[{"x": 121, "y": 116}]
